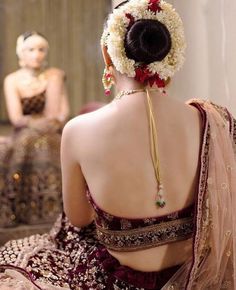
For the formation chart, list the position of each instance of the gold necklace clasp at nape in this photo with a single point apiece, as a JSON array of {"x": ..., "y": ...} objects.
[
  {"x": 134, "y": 91},
  {"x": 127, "y": 92}
]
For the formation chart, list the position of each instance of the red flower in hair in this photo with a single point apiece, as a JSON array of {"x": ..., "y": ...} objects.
[
  {"x": 144, "y": 76},
  {"x": 154, "y": 5},
  {"x": 158, "y": 81},
  {"x": 131, "y": 19}
]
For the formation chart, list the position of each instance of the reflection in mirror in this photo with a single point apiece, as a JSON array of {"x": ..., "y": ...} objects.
[
  {"x": 74, "y": 42},
  {"x": 37, "y": 106},
  {"x": 51, "y": 65}
]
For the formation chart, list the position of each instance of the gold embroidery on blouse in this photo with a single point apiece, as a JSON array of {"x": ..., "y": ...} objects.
[{"x": 146, "y": 237}]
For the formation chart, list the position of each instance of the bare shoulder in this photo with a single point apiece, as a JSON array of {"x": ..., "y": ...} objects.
[
  {"x": 87, "y": 123},
  {"x": 73, "y": 134},
  {"x": 11, "y": 78},
  {"x": 54, "y": 73},
  {"x": 10, "y": 84},
  {"x": 71, "y": 126},
  {"x": 96, "y": 118},
  {"x": 74, "y": 126},
  {"x": 79, "y": 123}
]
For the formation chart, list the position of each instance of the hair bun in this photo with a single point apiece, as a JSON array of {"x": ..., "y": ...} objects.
[{"x": 147, "y": 41}]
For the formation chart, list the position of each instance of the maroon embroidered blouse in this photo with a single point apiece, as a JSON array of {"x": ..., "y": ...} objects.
[
  {"x": 123, "y": 234},
  {"x": 33, "y": 105}
]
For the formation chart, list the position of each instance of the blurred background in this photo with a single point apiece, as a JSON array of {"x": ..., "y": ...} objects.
[
  {"x": 209, "y": 71},
  {"x": 73, "y": 29}
]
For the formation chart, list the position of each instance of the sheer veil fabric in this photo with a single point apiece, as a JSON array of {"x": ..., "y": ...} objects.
[{"x": 213, "y": 264}]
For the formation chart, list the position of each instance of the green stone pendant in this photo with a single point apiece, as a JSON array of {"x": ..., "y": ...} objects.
[{"x": 160, "y": 202}]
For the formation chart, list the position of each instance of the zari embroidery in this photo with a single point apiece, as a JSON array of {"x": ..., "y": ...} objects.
[
  {"x": 146, "y": 237},
  {"x": 200, "y": 211}
]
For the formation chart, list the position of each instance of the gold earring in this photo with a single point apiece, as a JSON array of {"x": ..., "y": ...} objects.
[{"x": 107, "y": 80}]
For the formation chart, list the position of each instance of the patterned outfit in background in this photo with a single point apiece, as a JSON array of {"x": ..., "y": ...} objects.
[
  {"x": 30, "y": 176},
  {"x": 77, "y": 258}
]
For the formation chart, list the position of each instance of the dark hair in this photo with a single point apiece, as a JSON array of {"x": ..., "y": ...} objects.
[
  {"x": 147, "y": 41},
  {"x": 28, "y": 34},
  {"x": 121, "y": 4}
]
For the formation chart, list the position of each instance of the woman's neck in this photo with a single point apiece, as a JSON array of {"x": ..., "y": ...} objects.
[
  {"x": 129, "y": 86},
  {"x": 124, "y": 83},
  {"x": 32, "y": 72}
]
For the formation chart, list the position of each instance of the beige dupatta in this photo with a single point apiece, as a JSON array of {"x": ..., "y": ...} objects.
[{"x": 213, "y": 263}]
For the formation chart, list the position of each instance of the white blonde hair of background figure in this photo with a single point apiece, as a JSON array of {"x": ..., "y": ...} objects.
[{"x": 21, "y": 44}]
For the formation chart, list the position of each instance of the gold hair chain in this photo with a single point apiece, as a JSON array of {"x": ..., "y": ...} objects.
[{"x": 160, "y": 201}]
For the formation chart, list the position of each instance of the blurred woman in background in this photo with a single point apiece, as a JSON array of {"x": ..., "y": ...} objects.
[{"x": 37, "y": 106}]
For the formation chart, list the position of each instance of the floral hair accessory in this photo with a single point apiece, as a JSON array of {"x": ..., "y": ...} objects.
[{"x": 119, "y": 23}]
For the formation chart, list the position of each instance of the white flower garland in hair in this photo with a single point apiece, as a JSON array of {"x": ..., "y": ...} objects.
[{"x": 118, "y": 23}]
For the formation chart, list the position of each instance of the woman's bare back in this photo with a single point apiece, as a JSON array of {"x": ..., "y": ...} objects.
[{"x": 114, "y": 154}]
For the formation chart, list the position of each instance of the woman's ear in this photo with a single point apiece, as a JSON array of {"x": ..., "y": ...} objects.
[{"x": 106, "y": 56}]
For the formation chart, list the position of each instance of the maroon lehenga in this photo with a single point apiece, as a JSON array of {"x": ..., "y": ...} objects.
[
  {"x": 30, "y": 177},
  {"x": 73, "y": 258}
]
